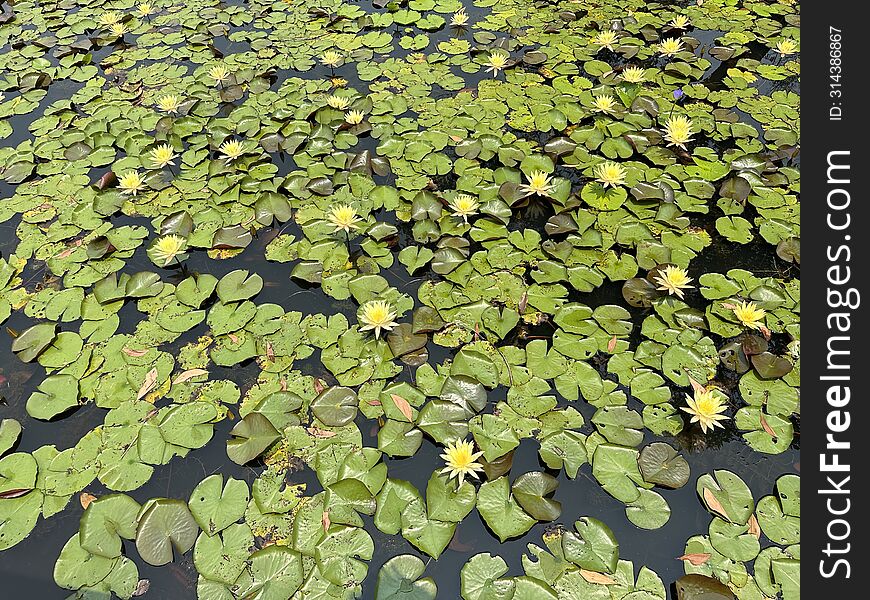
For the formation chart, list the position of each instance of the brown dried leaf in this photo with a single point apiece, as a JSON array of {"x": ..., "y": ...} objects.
[
  {"x": 318, "y": 385},
  {"x": 697, "y": 387},
  {"x": 149, "y": 384},
  {"x": 325, "y": 520},
  {"x": 403, "y": 407},
  {"x": 142, "y": 587},
  {"x": 270, "y": 352},
  {"x": 85, "y": 499},
  {"x": 134, "y": 353},
  {"x": 697, "y": 559},
  {"x": 599, "y": 578},
  {"x": 767, "y": 428},
  {"x": 611, "y": 345},
  {"x": 188, "y": 375},
  {"x": 320, "y": 433},
  {"x": 754, "y": 528},
  {"x": 713, "y": 504},
  {"x": 16, "y": 493}
]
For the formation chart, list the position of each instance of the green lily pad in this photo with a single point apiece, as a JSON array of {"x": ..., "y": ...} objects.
[
  {"x": 530, "y": 491},
  {"x": 335, "y": 406},
  {"x": 661, "y": 464},
  {"x": 501, "y": 511},
  {"x": 251, "y": 436},
  {"x": 56, "y": 395},
  {"x": 165, "y": 525},
  {"x": 105, "y": 522},
  {"x": 593, "y": 547},
  {"x": 216, "y": 506},
  {"x": 399, "y": 579}
]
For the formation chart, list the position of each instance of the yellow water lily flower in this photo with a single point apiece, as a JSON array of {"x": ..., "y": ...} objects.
[
  {"x": 338, "y": 82},
  {"x": 338, "y": 102},
  {"x": 353, "y": 117},
  {"x": 605, "y": 39},
  {"x": 343, "y": 217},
  {"x": 610, "y": 174},
  {"x": 680, "y": 22},
  {"x": 670, "y": 46},
  {"x": 678, "y": 131},
  {"x": 146, "y": 9},
  {"x": 169, "y": 103},
  {"x": 750, "y": 315},
  {"x": 633, "y": 74},
  {"x": 167, "y": 248},
  {"x": 673, "y": 280},
  {"x": 539, "y": 183},
  {"x": 118, "y": 29},
  {"x": 460, "y": 457},
  {"x": 331, "y": 58},
  {"x": 464, "y": 205},
  {"x": 460, "y": 18},
  {"x": 232, "y": 149},
  {"x": 131, "y": 183},
  {"x": 219, "y": 73},
  {"x": 163, "y": 155},
  {"x": 497, "y": 61},
  {"x": 604, "y": 103},
  {"x": 377, "y": 315},
  {"x": 786, "y": 47},
  {"x": 107, "y": 19},
  {"x": 706, "y": 408}
]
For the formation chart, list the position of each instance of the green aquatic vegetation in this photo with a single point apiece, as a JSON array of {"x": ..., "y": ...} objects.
[{"x": 454, "y": 194}]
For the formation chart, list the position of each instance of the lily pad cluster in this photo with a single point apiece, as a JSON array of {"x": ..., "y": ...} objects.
[
  {"x": 731, "y": 551},
  {"x": 496, "y": 221}
]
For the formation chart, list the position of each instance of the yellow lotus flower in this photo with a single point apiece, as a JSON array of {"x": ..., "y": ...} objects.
[
  {"x": 219, "y": 73},
  {"x": 497, "y": 61},
  {"x": 610, "y": 174},
  {"x": 118, "y": 29},
  {"x": 633, "y": 74},
  {"x": 464, "y": 205},
  {"x": 232, "y": 149},
  {"x": 338, "y": 102},
  {"x": 169, "y": 103},
  {"x": 343, "y": 217},
  {"x": 146, "y": 9},
  {"x": 353, "y": 117},
  {"x": 680, "y": 22},
  {"x": 460, "y": 457},
  {"x": 167, "y": 247},
  {"x": 749, "y": 315},
  {"x": 377, "y": 315},
  {"x": 673, "y": 280},
  {"x": 706, "y": 408},
  {"x": 107, "y": 19},
  {"x": 338, "y": 82},
  {"x": 163, "y": 155},
  {"x": 786, "y": 47},
  {"x": 678, "y": 131},
  {"x": 670, "y": 46},
  {"x": 131, "y": 183},
  {"x": 606, "y": 39},
  {"x": 331, "y": 58},
  {"x": 604, "y": 103},
  {"x": 460, "y": 18},
  {"x": 539, "y": 183}
]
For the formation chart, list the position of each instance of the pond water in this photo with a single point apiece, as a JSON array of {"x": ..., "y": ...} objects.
[{"x": 555, "y": 31}]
